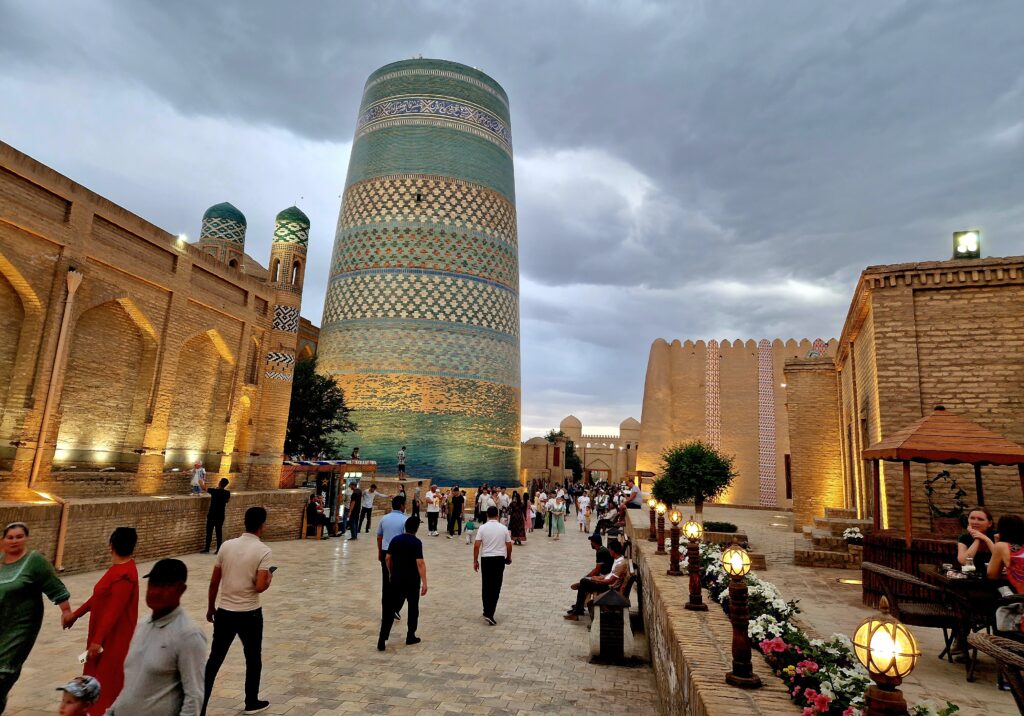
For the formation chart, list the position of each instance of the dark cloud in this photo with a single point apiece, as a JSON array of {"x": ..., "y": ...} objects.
[{"x": 683, "y": 169}]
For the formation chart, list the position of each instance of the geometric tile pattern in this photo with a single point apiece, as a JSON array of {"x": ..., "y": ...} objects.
[
  {"x": 286, "y": 318},
  {"x": 216, "y": 227},
  {"x": 442, "y": 201},
  {"x": 273, "y": 375},
  {"x": 766, "y": 457},
  {"x": 430, "y": 296},
  {"x": 291, "y": 232},
  {"x": 819, "y": 349},
  {"x": 429, "y": 72},
  {"x": 284, "y": 359},
  {"x": 445, "y": 112},
  {"x": 713, "y": 395}
]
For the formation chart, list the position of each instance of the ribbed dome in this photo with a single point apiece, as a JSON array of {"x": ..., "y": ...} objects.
[
  {"x": 224, "y": 210},
  {"x": 293, "y": 213},
  {"x": 629, "y": 423},
  {"x": 571, "y": 421}
]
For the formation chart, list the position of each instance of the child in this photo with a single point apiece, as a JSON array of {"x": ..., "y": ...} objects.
[
  {"x": 586, "y": 518},
  {"x": 79, "y": 694},
  {"x": 470, "y": 529}
]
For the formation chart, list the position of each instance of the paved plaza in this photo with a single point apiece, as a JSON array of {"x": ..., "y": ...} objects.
[
  {"x": 322, "y": 617},
  {"x": 829, "y": 606}
]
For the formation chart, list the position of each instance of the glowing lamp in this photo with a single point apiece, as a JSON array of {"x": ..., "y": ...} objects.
[
  {"x": 661, "y": 508},
  {"x": 736, "y": 561},
  {"x": 967, "y": 244},
  {"x": 675, "y": 517},
  {"x": 886, "y": 648},
  {"x": 652, "y": 503},
  {"x": 693, "y": 530}
]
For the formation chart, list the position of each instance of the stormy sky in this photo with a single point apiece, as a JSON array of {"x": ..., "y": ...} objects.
[{"x": 683, "y": 169}]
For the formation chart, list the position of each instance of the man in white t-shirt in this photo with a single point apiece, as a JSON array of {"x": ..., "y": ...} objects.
[
  {"x": 492, "y": 551},
  {"x": 242, "y": 572},
  {"x": 635, "y": 500},
  {"x": 433, "y": 500}
]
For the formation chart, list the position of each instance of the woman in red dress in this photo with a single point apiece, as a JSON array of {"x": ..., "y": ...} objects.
[{"x": 115, "y": 609}]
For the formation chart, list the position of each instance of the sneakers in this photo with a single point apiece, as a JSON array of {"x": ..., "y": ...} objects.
[
  {"x": 257, "y": 707},
  {"x": 381, "y": 646},
  {"x": 490, "y": 620},
  {"x": 449, "y": 536}
]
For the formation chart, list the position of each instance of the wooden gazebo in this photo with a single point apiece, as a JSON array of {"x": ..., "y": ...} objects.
[{"x": 943, "y": 437}]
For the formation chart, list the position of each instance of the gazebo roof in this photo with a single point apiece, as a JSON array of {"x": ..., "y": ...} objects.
[{"x": 942, "y": 436}]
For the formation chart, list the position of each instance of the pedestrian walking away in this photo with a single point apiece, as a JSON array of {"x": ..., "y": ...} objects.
[
  {"x": 408, "y": 574},
  {"x": 492, "y": 552},
  {"x": 219, "y": 497},
  {"x": 391, "y": 526},
  {"x": 455, "y": 510},
  {"x": 354, "y": 508},
  {"x": 242, "y": 572}
]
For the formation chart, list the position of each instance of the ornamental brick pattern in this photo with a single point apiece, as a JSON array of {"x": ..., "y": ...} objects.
[
  {"x": 421, "y": 318},
  {"x": 766, "y": 462},
  {"x": 712, "y": 407}
]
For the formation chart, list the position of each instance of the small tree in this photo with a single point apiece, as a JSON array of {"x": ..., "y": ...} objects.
[
  {"x": 317, "y": 415},
  {"x": 693, "y": 472}
]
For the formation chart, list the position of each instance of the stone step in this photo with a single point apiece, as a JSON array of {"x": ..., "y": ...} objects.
[
  {"x": 840, "y": 513},
  {"x": 823, "y": 539},
  {"x": 825, "y": 558},
  {"x": 837, "y": 526}
]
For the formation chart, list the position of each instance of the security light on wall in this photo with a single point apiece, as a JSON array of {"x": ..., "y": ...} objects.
[{"x": 967, "y": 244}]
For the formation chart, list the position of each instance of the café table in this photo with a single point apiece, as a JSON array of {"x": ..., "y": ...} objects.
[{"x": 973, "y": 598}]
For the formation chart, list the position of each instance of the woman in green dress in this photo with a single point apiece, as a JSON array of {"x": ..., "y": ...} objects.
[
  {"x": 25, "y": 576},
  {"x": 558, "y": 517}
]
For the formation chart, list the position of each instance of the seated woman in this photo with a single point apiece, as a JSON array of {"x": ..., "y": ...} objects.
[
  {"x": 1008, "y": 561},
  {"x": 975, "y": 545}
]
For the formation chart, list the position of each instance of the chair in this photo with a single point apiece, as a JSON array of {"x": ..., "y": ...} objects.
[
  {"x": 933, "y": 613},
  {"x": 1009, "y": 654}
]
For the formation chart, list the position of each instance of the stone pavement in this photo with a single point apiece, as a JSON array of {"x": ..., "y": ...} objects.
[
  {"x": 829, "y": 606},
  {"x": 322, "y": 617}
]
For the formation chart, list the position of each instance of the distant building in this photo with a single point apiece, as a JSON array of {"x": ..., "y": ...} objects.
[
  {"x": 309, "y": 340},
  {"x": 604, "y": 457}
]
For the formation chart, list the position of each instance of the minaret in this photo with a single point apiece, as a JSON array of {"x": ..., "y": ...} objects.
[
  {"x": 223, "y": 234},
  {"x": 287, "y": 269}
]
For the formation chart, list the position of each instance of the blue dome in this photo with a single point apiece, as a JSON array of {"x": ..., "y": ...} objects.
[
  {"x": 293, "y": 213},
  {"x": 224, "y": 210}
]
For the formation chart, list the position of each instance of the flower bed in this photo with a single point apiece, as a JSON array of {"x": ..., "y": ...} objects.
[{"x": 823, "y": 675}]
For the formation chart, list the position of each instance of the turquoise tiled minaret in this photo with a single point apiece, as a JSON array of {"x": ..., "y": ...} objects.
[
  {"x": 421, "y": 319},
  {"x": 223, "y": 233}
]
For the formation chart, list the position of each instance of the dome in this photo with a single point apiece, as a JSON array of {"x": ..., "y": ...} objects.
[
  {"x": 629, "y": 424},
  {"x": 293, "y": 213},
  {"x": 570, "y": 421},
  {"x": 224, "y": 210},
  {"x": 536, "y": 441}
]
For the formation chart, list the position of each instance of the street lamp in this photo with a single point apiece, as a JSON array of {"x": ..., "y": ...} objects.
[
  {"x": 661, "y": 508},
  {"x": 675, "y": 517},
  {"x": 736, "y": 562},
  {"x": 693, "y": 531},
  {"x": 967, "y": 244},
  {"x": 889, "y": 652},
  {"x": 652, "y": 535}
]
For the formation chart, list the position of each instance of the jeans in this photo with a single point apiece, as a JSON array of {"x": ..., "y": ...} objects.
[
  {"x": 492, "y": 573},
  {"x": 432, "y": 521},
  {"x": 587, "y": 587},
  {"x": 353, "y": 522},
  {"x": 248, "y": 626},
  {"x": 214, "y": 523},
  {"x": 453, "y": 522}
]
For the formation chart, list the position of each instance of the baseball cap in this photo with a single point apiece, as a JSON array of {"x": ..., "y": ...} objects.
[
  {"x": 167, "y": 571},
  {"x": 85, "y": 688}
]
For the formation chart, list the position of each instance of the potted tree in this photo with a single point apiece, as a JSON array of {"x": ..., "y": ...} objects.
[{"x": 695, "y": 472}]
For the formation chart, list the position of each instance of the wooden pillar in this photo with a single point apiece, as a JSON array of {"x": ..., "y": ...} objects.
[
  {"x": 876, "y": 497},
  {"x": 1020, "y": 471},
  {"x": 908, "y": 512},
  {"x": 979, "y": 490}
]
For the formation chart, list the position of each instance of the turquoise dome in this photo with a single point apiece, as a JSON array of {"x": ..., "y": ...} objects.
[
  {"x": 293, "y": 213},
  {"x": 224, "y": 210}
]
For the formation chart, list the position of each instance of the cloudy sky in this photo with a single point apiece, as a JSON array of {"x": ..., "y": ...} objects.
[{"x": 683, "y": 169}]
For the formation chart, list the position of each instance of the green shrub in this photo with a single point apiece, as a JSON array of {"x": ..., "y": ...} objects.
[{"x": 712, "y": 526}]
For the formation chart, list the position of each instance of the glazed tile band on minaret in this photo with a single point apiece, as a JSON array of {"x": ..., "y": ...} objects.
[{"x": 421, "y": 319}]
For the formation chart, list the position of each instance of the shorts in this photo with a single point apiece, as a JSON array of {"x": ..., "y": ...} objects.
[
  {"x": 196, "y": 490},
  {"x": 401, "y": 467}
]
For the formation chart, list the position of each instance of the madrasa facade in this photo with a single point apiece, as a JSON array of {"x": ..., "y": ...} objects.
[{"x": 421, "y": 319}]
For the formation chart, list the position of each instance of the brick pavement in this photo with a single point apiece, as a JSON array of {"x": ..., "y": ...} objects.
[
  {"x": 828, "y": 606},
  {"x": 320, "y": 652}
]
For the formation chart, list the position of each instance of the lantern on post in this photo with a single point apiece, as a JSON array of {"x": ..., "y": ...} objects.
[
  {"x": 888, "y": 650},
  {"x": 661, "y": 508},
  {"x": 652, "y": 535},
  {"x": 736, "y": 562},
  {"x": 675, "y": 517},
  {"x": 693, "y": 531}
]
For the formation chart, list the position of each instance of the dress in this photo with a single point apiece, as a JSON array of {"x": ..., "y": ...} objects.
[
  {"x": 558, "y": 516},
  {"x": 114, "y": 611},
  {"x": 517, "y": 521},
  {"x": 22, "y": 585}
]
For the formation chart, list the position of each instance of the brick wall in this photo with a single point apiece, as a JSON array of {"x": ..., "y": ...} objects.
[{"x": 738, "y": 371}]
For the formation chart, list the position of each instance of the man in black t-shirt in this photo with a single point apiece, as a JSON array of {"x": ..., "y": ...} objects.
[
  {"x": 455, "y": 512},
  {"x": 602, "y": 562},
  {"x": 355, "y": 506},
  {"x": 408, "y": 574},
  {"x": 219, "y": 497}
]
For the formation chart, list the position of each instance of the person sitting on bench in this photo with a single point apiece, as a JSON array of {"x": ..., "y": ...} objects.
[
  {"x": 315, "y": 516},
  {"x": 601, "y": 583}
]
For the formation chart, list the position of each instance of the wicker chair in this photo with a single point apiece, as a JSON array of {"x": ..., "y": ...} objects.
[
  {"x": 1009, "y": 654},
  {"x": 934, "y": 613}
]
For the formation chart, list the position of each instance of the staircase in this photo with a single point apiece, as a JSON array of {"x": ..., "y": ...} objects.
[{"x": 822, "y": 544}]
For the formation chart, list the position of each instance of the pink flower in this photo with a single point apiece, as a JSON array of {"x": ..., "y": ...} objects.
[
  {"x": 810, "y": 694},
  {"x": 796, "y": 691},
  {"x": 770, "y": 646},
  {"x": 806, "y": 667},
  {"x": 850, "y": 712},
  {"x": 821, "y": 702},
  {"x": 808, "y": 711}
]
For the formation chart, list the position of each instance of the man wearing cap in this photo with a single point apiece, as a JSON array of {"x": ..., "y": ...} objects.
[
  {"x": 242, "y": 572},
  {"x": 79, "y": 694},
  {"x": 163, "y": 672}
]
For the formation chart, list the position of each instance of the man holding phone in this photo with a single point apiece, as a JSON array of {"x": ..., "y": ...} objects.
[{"x": 241, "y": 574}]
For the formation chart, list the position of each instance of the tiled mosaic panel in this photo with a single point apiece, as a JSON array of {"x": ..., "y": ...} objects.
[
  {"x": 291, "y": 232},
  {"x": 427, "y": 247},
  {"x": 431, "y": 394},
  {"x": 712, "y": 395},
  {"x": 438, "y": 81},
  {"x": 766, "y": 457},
  {"x": 452, "y": 203},
  {"x": 427, "y": 348},
  {"x": 215, "y": 227},
  {"x": 462, "y": 116},
  {"x": 286, "y": 318},
  {"x": 422, "y": 296}
]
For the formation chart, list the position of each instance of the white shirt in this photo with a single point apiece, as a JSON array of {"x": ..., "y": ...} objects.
[
  {"x": 198, "y": 473},
  {"x": 239, "y": 559},
  {"x": 401, "y": 457},
  {"x": 583, "y": 503},
  {"x": 368, "y": 498},
  {"x": 493, "y": 536},
  {"x": 620, "y": 570},
  {"x": 485, "y": 502},
  {"x": 431, "y": 506},
  {"x": 505, "y": 499}
]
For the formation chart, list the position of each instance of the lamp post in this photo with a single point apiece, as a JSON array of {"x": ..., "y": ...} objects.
[
  {"x": 661, "y": 508},
  {"x": 737, "y": 563},
  {"x": 675, "y": 517},
  {"x": 889, "y": 652},
  {"x": 693, "y": 531},
  {"x": 652, "y": 535}
]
